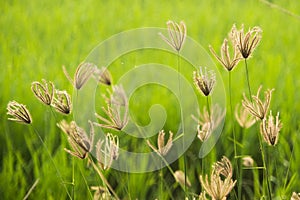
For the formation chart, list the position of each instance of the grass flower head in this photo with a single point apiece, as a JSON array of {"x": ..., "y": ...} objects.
[{"x": 18, "y": 113}]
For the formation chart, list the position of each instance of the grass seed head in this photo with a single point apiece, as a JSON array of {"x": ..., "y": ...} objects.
[
  {"x": 78, "y": 139},
  {"x": 177, "y": 35},
  {"x": 103, "y": 76},
  {"x": 44, "y": 92},
  {"x": 83, "y": 72},
  {"x": 18, "y": 113},
  {"x": 107, "y": 150},
  {"x": 204, "y": 82},
  {"x": 246, "y": 42},
  {"x": 62, "y": 102},
  {"x": 116, "y": 111},
  {"x": 269, "y": 128},
  {"x": 217, "y": 188},
  {"x": 258, "y": 108},
  {"x": 225, "y": 58},
  {"x": 243, "y": 117},
  {"x": 295, "y": 196},
  {"x": 162, "y": 148}
]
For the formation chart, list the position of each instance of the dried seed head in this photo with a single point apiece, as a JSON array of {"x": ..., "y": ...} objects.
[
  {"x": 180, "y": 178},
  {"x": 225, "y": 58},
  {"x": 208, "y": 121},
  {"x": 78, "y": 138},
  {"x": 295, "y": 196},
  {"x": 102, "y": 76},
  {"x": 243, "y": 117},
  {"x": 258, "y": 108},
  {"x": 116, "y": 111},
  {"x": 246, "y": 42},
  {"x": 83, "y": 72},
  {"x": 204, "y": 131},
  {"x": 43, "y": 91},
  {"x": 270, "y": 129},
  {"x": 163, "y": 148},
  {"x": 62, "y": 102},
  {"x": 216, "y": 187},
  {"x": 204, "y": 82},
  {"x": 223, "y": 167},
  {"x": 107, "y": 150},
  {"x": 248, "y": 161},
  {"x": 177, "y": 35},
  {"x": 18, "y": 113}
]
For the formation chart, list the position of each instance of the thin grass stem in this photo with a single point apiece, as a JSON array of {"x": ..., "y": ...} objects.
[
  {"x": 49, "y": 154},
  {"x": 248, "y": 81}
]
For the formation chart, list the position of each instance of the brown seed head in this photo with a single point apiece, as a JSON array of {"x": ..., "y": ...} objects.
[
  {"x": 83, "y": 72},
  {"x": 116, "y": 111},
  {"x": 163, "y": 148},
  {"x": 225, "y": 58},
  {"x": 103, "y": 76},
  {"x": 217, "y": 188},
  {"x": 258, "y": 108},
  {"x": 270, "y": 129},
  {"x": 78, "y": 139},
  {"x": 223, "y": 167},
  {"x": 18, "y": 113},
  {"x": 246, "y": 42},
  {"x": 107, "y": 150},
  {"x": 208, "y": 121},
  {"x": 43, "y": 91},
  {"x": 243, "y": 117},
  {"x": 62, "y": 102},
  {"x": 177, "y": 35},
  {"x": 204, "y": 82}
]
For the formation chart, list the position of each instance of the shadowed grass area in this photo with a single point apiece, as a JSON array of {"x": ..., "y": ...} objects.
[{"x": 38, "y": 37}]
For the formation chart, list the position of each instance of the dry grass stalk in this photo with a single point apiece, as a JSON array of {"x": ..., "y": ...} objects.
[
  {"x": 18, "y": 113},
  {"x": 44, "y": 92},
  {"x": 180, "y": 178},
  {"x": 204, "y": 82},
  {"x": 81, "y": 144},
  {"x": 107, "y": 150},
  {"x": 258, "y": 108},
  {"x": 177, "y": 35},
  {"x": 243, "y": 117},
  {"x": 82, "y": 74},
  {"x": 270, "y": 129},
  {"x": 217, "y": 188},
  {"x": 246, "y": 42},
  {"x": 62, "y": 102},
  {"x": 103, "y": 76},
  {"x": 116, "y": 111},
  {"x": 162, "y": 148}
]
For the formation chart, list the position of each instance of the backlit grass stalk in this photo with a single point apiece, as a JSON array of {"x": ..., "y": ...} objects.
[{"x": 177, "y": 35}]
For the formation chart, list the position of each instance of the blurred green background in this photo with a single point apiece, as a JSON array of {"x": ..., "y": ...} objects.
[{"x": 38, "y": 37}]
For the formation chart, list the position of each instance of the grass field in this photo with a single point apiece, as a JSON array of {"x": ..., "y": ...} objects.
[{"x": 38, "y": 37}]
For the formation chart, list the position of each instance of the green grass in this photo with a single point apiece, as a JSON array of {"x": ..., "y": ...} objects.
[{"x": 38, "y": 37}]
